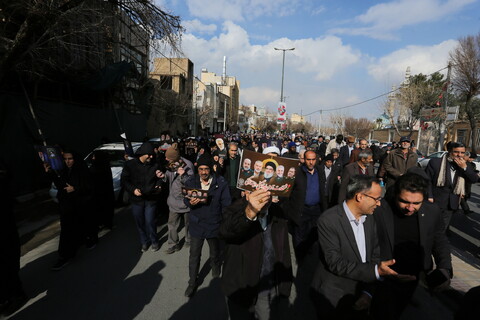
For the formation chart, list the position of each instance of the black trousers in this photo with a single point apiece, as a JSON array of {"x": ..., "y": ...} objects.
[
  {"x": 305, "y": 234},
  {"x": 196, "y": 245},
  {"x": 447, "y": 217},
  {"x": 70, "y": 230}
]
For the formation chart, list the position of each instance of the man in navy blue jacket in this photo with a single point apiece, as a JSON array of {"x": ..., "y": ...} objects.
[{"x": 205, "y": 217}]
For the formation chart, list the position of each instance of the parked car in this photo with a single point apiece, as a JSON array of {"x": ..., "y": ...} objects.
[
  {"x": 370, "y": 142},
  {"x": 423, "y": 162},
  {"x": 115, "y": 153},
  {"x": 420, "y": 156},
  {"x": 477, "y": 163}
]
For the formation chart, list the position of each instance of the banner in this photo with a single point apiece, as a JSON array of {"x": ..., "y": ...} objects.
[
  {"x": 275, "y": 174},
  {"x": 51, "y": 155},
  {"x": 282, "y": 112}
]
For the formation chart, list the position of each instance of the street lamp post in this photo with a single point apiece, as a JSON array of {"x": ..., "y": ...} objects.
[{"x": 283, "y": 68}]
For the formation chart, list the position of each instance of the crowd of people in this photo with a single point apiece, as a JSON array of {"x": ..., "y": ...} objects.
[{"x": 379, "y": 221}]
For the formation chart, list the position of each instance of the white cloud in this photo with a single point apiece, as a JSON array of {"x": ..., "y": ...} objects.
[
  {"x": 259, "y": 95},
  {"x": 318, "y": 10},
  {"x": 321, "y": 57},
  {"x": 196, "y": 26},
  {"x": 240, "y": 10},
  {"x": 420, "y": 59},
  {"x": 313, "y": 65},
  {"x": 382, "y": 20}
]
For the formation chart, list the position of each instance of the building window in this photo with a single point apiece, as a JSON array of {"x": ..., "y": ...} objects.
[
  {"x": 166, "y": 82},
  {"x": 462, "y": 136},
  {"x": 478, "y": 138}
]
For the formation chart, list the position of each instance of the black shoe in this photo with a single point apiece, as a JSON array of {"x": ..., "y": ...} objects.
[
  {"x": 190, "y": 291},
  {"x": 61, "y": 263},
  {"x": 172, "y": 249},
  {"x": 155, "y": 247},
  {"x": 145, "y": 247},
  {"x": 216, "y": 272}
]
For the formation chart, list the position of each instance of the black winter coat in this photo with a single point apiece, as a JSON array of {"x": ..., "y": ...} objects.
[
  {"x": 244, "y": 253},
  {"x": 77, "y": 176},
  {"x": 138, "y": 175},
  {"x": 204, "y": 219}
]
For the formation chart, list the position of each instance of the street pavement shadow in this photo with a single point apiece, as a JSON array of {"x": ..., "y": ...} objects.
[
  {"x": 202, "y": 274},
  {"x": 96, "y": 285},
  {"x": 469, "y": 226},
  {"x": 207, "y": 303},
  {"x": 302, "y": 307}
]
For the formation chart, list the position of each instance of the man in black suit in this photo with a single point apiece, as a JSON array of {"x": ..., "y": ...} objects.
[
  {"x": 331, "y": 175},
  {"x": 350, "y": 254},
  {"x": 410, "y": 230},
  {"x": 363, "y": 166},
  {"x": 230, "y": 168},
  {"x": 322, "y": 147},
  {"x": 346, "y": 150},
  {"x": 448, "y": 176},
  {"x": 306, "y": 202}
]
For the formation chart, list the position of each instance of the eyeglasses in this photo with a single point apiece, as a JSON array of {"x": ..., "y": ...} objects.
[
  {"x": 234, "y": 150},
  {"x": 375, "y": 199}
]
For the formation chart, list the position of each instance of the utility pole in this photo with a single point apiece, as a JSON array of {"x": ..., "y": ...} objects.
[
  {"x": 442, "y": 126},
  {"x": 283, "y": 70},
  {"x": 225, "y": 116}
]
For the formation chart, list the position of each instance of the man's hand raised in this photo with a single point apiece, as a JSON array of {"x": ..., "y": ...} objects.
[{"x": 256, "y": 201}]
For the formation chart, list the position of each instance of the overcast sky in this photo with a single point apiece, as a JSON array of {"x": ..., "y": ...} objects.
[{"x": 345, "y": 51}]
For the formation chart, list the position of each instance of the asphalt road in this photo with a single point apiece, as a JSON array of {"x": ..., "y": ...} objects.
[{"x": 116, "y": 281}]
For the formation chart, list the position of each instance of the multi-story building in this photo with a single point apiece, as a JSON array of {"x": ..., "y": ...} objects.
[
  {"x": 296, "y": 118},
  {"x": 172, "y": 106},
  {"x": 225, "y": 109}
]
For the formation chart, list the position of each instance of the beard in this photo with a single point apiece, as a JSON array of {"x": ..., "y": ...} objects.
[{"x": 268, "y": 175}]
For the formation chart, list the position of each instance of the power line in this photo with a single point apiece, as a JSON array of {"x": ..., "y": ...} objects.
[{"x": 367, "y": 100}]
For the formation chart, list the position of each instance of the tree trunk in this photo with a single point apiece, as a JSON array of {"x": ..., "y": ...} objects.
[{"x": 473, "y": 124}]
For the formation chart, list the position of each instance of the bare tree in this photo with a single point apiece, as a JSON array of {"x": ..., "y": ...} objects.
[
  {"x": 416, "y": 93},
  {"x": 465, "y": 60},
  {"x": 41, "y": 39},
  {"x": 306, "y": 127},
  {"x": 359, "y": 128},
  {"x": 338, "y": 122},
  {"x": 204, "y": 115}
]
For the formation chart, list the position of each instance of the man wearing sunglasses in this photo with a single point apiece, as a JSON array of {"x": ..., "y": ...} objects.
[{"x": 410, "y": 230}]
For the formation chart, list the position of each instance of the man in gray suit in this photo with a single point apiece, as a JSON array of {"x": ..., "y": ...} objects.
[{"x": 350, "y": 254}]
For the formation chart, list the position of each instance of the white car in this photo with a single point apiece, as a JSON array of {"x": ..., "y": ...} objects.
[
  {"x": 423, "y": 163},
  {"x": 115, "y": 153},
  {"x": 477, "y": 163}
]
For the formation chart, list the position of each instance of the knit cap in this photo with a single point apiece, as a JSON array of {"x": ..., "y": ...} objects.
[
  {"x": 205, "y": 160},
  {"x": 172, "y": 153}
]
